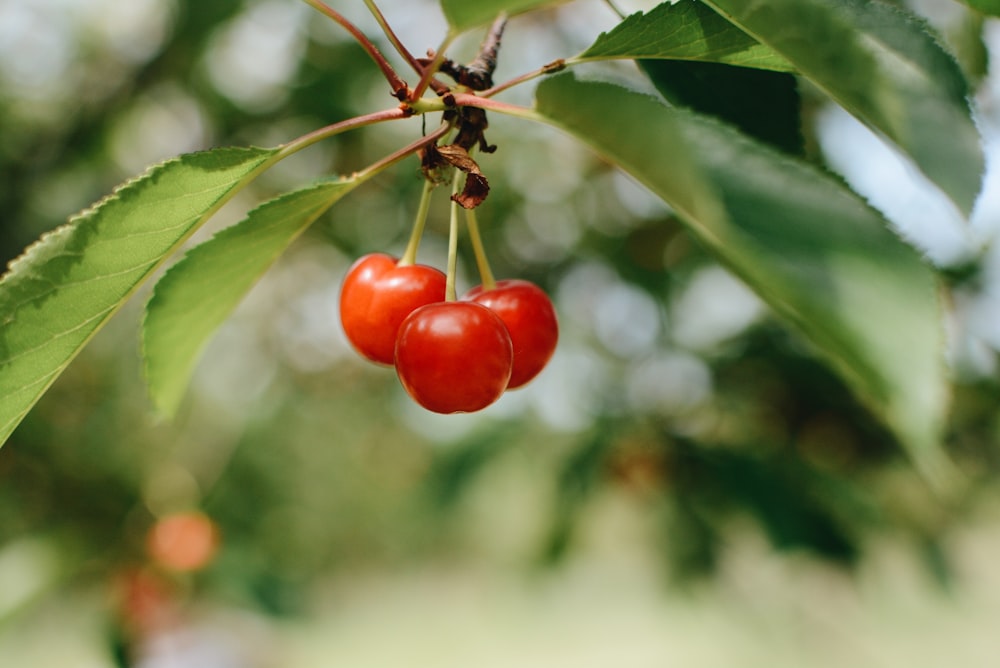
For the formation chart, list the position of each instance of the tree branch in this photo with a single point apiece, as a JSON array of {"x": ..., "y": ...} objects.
[{"x": 400, "y": 89}]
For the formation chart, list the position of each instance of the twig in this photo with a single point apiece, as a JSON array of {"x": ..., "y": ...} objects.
[
  {"x": 478, "y": 75},
  {"x": 550, "y": 68},
  {"x": 336, "y": 128},
  {"x": 413, "y": 147},
  {"x": 396, "y": 43},
  {"x": 400, "y": 90},
  {"x": 470, "y": 100},
  {"x": 431, "y": 68}
]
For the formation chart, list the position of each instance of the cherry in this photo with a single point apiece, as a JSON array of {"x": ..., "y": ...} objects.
[
  {"x": 376, "y": 297},
  {"x": 528, "y": 314},
  {"x": 454, "y": 357},
  {"x": 183, "y": 541}
]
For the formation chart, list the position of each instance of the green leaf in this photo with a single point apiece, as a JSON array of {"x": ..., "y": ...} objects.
[
  {"x": 884, "y": 66},
  {"x": 761, "y": 103},
  {"x": 687, "y": 30},
  {"x": 198, "y": 293},
  {"x": 990, "y": 7},
  {"x": 810, "y": 247},
  {"x": 465, "y": 14},
  {"x": 69, "y": 283}
]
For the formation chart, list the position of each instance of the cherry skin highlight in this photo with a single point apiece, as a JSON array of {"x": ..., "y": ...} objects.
[
  {"x": 376, "y": 297},
  {"x": 530, "y": 319},
  {"x": 454, "y": 357}
]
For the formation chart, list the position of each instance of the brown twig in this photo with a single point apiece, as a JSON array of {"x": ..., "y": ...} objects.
[
  {"x": 400, "y": 89},
  {"x": 431, "y": 68},
  {"x": 478, "y": 75}
]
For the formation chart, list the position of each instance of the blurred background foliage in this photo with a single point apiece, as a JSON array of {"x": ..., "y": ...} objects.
[{"x": 681, "y": 440}]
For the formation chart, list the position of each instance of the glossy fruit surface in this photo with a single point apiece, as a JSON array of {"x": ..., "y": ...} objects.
[
  {"x": 454, "y": 357},
  {"x": 530, "y": 318},
  {"x": 376, "y": 297}
]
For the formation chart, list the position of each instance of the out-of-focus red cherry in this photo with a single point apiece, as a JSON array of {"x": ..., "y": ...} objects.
[{"x": 185, "y": 541}]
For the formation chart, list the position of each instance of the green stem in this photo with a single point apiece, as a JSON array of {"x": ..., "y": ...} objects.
[
  {"x": 432, "y": 69},
  {"x": 427, "y": 105},
  {"x": 482, "y": 262},
  {"x": 469, "y": 100},
  {"x": 396, "y": 43},
  {"x": 410, "y": 255},
  {"x": 450, "y": 294},
  {"x": 615, "y": 9}
]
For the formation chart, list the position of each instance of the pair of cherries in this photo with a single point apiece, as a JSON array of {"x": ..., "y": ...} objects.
[{"x": 451, "y": 356}]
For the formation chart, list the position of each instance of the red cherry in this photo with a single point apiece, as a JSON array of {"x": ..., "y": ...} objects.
[
  {"x": 454, "y": 357},
  {"x": 183, "y": 541},
  {"x": 530, "y": 318},
  {"x": 376, "y": 297}
]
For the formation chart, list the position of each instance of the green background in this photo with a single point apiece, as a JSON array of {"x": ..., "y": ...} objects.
[{"x": 686, "y": 484}]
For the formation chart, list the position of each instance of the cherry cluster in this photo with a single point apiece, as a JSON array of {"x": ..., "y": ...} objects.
[{"x": 451, "y": 356}]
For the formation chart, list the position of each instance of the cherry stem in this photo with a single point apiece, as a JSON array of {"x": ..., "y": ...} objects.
[
  {"x": 450, "y": 294},
  {"x": 372, "y": 169},
  {"x": 615, "y": 9},
  {"x": 432, "y": 68},
  {"x": 399, "y": 154},
  {"x": 396, "y": 43},
  {"x": 550, "y": 68},
  {"x": 399, "y": 88},
  {"x": 479, "y": 250},
  {"x": 410, "y": 254},
  {"x": 469, "y": 100},
  {"x": 311, "y": 138}
]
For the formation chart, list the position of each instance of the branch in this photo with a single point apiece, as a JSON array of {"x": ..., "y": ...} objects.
[
  {"x": 400, "y": 90},
  {"x": 469, "y": 100},
  {"x": 550, "y": 68},
  {"x": 431, "y": 69},
  {"x": 413, "y": 147},
  {"x": 396, "y": 43},
  {"x": 311, "y": 138},
  {"x": 478, "y": 75}
]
